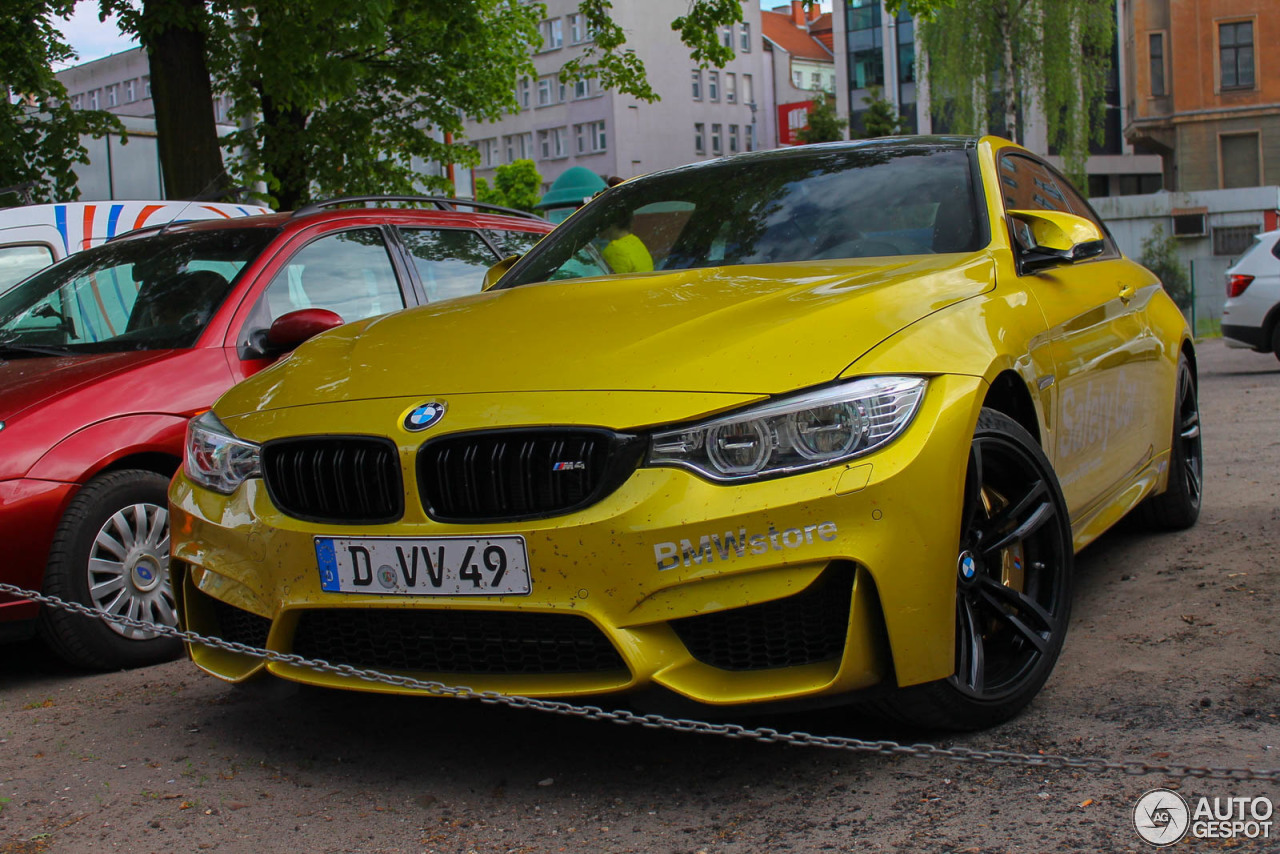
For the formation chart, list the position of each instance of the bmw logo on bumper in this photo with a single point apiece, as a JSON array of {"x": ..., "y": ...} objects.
[{"x": 424, "y": 416}]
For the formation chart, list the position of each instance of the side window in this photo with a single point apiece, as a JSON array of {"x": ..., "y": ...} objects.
[
  {"x": 450, "y": 262},
  {"x": 512, "y": 242},
  {"x": 349, "y": 273},
  {"x": 18, "y": 262},
  {"x": 1028, "y": 186}
]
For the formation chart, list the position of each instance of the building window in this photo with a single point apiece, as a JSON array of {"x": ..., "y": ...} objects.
[
  {"x": 699, "y": 138},
  {"x": 519, "y": 146},
  {"x": 1241, "y": 161},
  {"x": 797, "y": 79},
  {"x": 77, "y": 102},
  {"x": 906, "y": 48},
  {"x": 488, "y": 149},
  {"x": 590, "y": 138},
  {"x": 1233, "y": 240},
  {"x": 552, "y": 34},
  {"x": 697, "y": 84},
  {"x": 561, "y": 91},
  {"x": 730, "y": 88},
  {"x": 146, "y": 87},
  {"x": 726, "y": 36},
  {"x": 93, "y": 100},
  {"x": 749, "y": 132},
  {"x": 713, "y": 85},
  {"x": 748, "y": 92},
  {"x": 544, "y": 91},
  {"x": 1155, "y": 49},
  {"x": 522, "y": 92},
  {"x": 113, "y": 95},
  {"x": 577, "y": 29},
  {"x": 1235, "y": 55},
  {"x": 554, "y": 143},
  {"x": 744, "y": 30},
  {"x": 733, "y": 139},
  {"x": 581, "y": 89},
  {"x": 815, "y": 80},
  {"x": 716, "y": 147},
  {"x": 130, "y": 91}
]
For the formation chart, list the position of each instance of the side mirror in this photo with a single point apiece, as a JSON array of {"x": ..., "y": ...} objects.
[
  {"x": 497, "y": 271},
  {"x": 1049, "y": 238},
  {"x": 289, "y": 330}
]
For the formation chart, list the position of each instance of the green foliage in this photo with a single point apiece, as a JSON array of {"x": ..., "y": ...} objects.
[
  {"x": 516, "y": 185},
  {"x": 1051, "y": 52},
  {"x": 880, "y": 119},
  {"x": 1160, "y": 256},
  {"x": 39, "y": 131},
  {"x": 825, "y": 125},
  {"x": 925, "y": 9},
  {"x": 341, "y": 95}
]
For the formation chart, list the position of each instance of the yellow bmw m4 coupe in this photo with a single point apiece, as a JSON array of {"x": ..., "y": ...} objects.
[{"x": 791, "y": 427}]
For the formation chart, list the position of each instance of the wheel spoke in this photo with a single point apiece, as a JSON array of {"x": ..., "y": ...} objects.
[
  {"x": 140, "y": 526},
  {"x": 1028, "y": 618},
  {"x": 972, "y": 665},
  {"x": 1191, "y": 424},
  {"x": 123, "y": 531},
  {"x": 118, "y": 604},
  {"x": 101, "y": 590},
  {"x": 166, "y": 613},
  {"x": 98, "y": 566},
  {"x": 972, "y": 489},
  {"x": 1025, "y": 516},
  {"x": 110, "y": 544},
  {"x": 159, "y": 529}
]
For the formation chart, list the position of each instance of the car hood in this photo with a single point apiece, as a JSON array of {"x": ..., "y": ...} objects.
[
  {"x": 747, "y": 329},
  {"x": 28, "y": 382}
]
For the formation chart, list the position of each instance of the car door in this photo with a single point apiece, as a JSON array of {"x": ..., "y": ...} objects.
[
  {"x": 351, "y": 272},
  {"x": 1098, "y": 341}
]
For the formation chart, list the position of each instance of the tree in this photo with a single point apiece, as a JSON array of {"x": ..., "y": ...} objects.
[
  {"x": 39, "y": 131},
  {"x": 1160, "y": 256},
  {"x": 515, "y": 185},
  {"x": 825, "y": 125},
  {"x": 1050, "y": 54},
  {"x": 880, "y": 119}
]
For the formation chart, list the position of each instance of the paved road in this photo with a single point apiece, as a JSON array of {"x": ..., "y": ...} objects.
[{"x": 1172, "y": 657}]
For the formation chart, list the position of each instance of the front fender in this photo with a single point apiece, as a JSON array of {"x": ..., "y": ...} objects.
[{"x": 88, "y": 451}]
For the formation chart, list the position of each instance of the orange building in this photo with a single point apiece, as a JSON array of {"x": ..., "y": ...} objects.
[{"x": 1204, "y": 91}]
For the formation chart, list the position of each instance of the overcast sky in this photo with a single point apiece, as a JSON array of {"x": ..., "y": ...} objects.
[{"x": 94, "y": 39}]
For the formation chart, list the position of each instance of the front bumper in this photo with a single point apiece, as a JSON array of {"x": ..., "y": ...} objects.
[
  {"x": 852, "y": 582},
  {"x": 30, "y": 510}
]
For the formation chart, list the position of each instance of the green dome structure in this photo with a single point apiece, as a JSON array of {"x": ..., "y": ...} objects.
[{"x": 569, "y": 192}]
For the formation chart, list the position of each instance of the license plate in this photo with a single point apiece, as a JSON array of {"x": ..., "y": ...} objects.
[{"x": 426, "y": 566}]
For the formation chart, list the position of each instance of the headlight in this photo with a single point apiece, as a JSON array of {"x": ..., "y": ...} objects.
[
  {"x": 217, "y": 460},
  {"x": 812, "y": 430}
]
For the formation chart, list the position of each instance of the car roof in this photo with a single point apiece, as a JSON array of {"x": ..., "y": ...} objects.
[{"x": 362, "y": 216}]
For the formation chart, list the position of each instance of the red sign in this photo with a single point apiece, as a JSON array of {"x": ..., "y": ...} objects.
[{"x": 792, "y": 118}]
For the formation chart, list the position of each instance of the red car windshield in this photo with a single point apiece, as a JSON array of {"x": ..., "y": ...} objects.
[{"x": 149, "y": 293}]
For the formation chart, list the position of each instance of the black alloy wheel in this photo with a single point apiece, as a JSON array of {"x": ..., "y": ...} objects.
[
  {"x": 1013, "y": 585},
  {"x": 1178, "y": 507}
]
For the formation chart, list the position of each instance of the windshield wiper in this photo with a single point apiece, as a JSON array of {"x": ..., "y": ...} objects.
[{"x": 8, "y": 349}]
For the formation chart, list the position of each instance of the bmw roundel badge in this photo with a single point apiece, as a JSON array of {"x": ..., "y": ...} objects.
[{"x": 424, "y": 416}]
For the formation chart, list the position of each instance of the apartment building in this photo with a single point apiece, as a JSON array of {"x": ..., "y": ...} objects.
[
  {"x": 1205, "y": 90},
  {"x": 703, "y": 113},
  {"x": 799, "y": 66}
]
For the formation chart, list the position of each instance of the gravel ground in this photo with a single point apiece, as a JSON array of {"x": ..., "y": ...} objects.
[{"x": 1172, "y": 657}]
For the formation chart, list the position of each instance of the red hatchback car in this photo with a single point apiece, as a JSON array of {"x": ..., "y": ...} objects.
[{"x": 104, "y": 357}]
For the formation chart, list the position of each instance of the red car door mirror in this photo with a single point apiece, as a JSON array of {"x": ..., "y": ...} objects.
[{"x": 289, "y": 330}]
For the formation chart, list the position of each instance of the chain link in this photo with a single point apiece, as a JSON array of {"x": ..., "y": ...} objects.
[{"x": 765, "y": 735}]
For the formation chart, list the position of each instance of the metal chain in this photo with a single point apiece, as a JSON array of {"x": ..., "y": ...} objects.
[{"x": 653, "y": 721}]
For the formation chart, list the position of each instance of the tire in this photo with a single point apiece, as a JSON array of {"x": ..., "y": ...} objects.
[
  {"x": 1013, "y": 586},
  {"x": 111, "y": 551},
  {"x": 1275, "y": 339},
  {"x": 1178, "y": 507}
]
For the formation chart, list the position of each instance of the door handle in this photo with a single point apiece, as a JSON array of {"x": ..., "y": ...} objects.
[{"x": 1127, "y": 292}]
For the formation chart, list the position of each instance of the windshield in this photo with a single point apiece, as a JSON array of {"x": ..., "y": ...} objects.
[
  {"x": 149, "y": 293},
  {"x": 807, "y": 205}
]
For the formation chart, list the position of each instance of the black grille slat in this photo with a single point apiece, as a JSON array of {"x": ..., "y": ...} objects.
[
  {"x": 806, "y": 628},
  {"x": 439, "y": 641},
  {"x": 239, "y": 626},
  {"x": 504, "y": 475},
  {"x": 341, "y": 479}
]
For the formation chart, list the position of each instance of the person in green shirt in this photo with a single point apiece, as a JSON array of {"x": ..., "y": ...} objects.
[{"x": 625, "y": 253}]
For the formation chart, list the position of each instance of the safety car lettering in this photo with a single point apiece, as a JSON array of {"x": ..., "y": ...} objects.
[{"x": 736, "y": 544}]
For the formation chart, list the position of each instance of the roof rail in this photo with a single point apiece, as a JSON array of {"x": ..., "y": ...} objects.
[{"x": 443, "y": 203}]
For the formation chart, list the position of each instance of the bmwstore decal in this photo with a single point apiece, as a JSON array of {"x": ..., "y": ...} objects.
[{"x": 738, "y": 543}]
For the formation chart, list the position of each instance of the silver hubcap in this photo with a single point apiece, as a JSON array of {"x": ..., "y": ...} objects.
[{"x": 129, "y": 569}]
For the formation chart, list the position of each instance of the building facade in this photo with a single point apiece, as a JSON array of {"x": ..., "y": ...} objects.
[
  {"x": 876, "y": 50},
  {"x": 1205, "y": 89},
  {"x": 799, "y": 67},
  {"x": 703, "y": 113}
]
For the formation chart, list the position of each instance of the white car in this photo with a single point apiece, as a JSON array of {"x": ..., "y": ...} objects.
[
  {"x": 34, "y": 236},
  {"x": 1251, "y": 318}
]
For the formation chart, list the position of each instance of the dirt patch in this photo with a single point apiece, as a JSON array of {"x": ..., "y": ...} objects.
[{"x": 1172, "y": 657}]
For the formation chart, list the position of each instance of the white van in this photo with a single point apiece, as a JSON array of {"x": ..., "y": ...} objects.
[{"x": 33, "y": 237}]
